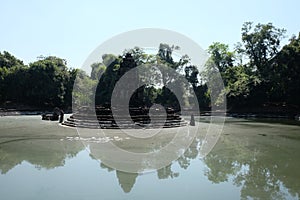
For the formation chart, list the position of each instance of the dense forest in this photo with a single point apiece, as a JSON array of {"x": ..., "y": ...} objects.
[{"x": 258, "y": 73}]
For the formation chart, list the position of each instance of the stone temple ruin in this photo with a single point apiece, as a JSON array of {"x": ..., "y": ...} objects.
[{"x": 101, "y": 116}]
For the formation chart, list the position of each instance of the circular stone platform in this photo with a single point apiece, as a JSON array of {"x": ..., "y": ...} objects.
[{"x": 103, "y": 118}]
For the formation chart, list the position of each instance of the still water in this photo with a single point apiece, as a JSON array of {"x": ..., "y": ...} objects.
[{"x": 251, "y": 160}]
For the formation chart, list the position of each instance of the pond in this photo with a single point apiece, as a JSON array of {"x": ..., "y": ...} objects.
[{"x": 253, "y": 159}]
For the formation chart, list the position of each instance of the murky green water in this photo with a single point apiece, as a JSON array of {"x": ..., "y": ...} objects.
[{"x": 252, "y": 160}]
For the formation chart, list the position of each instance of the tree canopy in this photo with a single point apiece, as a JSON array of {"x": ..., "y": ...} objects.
[{"x": 257, "y": 74}]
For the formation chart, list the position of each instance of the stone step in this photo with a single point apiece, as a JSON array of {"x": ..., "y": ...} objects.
[
  {"x": 103, "y": 118},
  {"x": 124, "y": 124},
  {"x": 122, "y": 121}
]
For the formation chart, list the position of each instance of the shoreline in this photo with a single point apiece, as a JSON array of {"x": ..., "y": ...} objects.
[
  {"x": 19, "y": 112},
  {"x": 14, "y": 112}
]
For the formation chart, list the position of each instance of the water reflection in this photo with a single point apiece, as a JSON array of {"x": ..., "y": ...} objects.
[
  {"x": 126, "y": 180},
  {"x": 41, "y": 153},
  {"x": 263, "y": 166}
]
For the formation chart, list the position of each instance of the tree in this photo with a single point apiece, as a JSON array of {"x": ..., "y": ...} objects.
[
  {"x": 250, "y": 83},
  {"x": 221, "y": 56},
  {"x": 191, "y": 74},
  {"x": 97, "y": 70},
  {"x": 138, "y": 54},
  {"x": 49, "y": 78},
  {"x": 261, "y": 43},
  {"x": 83, "y": 89},
  {"x": 286, "y": 72},
  {"x": 240, "y": 84},
  {"x": 44, "y": 83},
  {"x": 165, "y": 53},
  {"x": 108, "y": 80},
  {"x": 7, "y": 60},
  {"x": 15, "y": 84},
  {"x": 214, "y": 73},
  {"x": 11, "y": 67}
]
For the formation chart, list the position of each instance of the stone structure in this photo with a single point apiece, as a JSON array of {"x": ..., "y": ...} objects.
[
  {"x": 57, "y": 114},
  {"x": 139, "y": 113},
  {"x": 139, "y": 119}
]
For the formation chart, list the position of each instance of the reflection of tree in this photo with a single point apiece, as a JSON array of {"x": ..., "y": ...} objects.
[
  {"x": 166, "y": 172},
  {"x": 190, "y": 154},
  {"x": 41, "y": 153},
  {"x": 263, "y": 171},
  {"x": 263, "y": 167},
  {"x": 103, "y": 166},
  {"x": 126, "y": 180},
  {"x": 221, "y": 165}
]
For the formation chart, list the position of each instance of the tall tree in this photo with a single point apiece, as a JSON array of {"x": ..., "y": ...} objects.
[
  {"x": 261, "y": 43},
  {"x": 48, "y": 79},
  {"x": 286, "y": 70},
  {"x": 7, "y": 60},
  {"x": 221, "y": 56}
]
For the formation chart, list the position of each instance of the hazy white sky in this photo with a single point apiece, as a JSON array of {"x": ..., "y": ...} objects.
[{"x": 73, "y": 29}]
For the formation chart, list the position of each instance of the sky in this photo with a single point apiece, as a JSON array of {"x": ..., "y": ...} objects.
[{"x": 73, "y": 29}]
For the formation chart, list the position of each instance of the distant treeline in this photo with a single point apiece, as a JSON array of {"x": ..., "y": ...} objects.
[
  {"x": 259, "y": 75},
  {"x": 44, "y": 84}
]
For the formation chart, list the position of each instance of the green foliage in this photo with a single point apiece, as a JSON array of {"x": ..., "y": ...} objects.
[
  {"x": 8, "y": 61},
  {"x": 165, "y": 54},
  {"x": 191, "y": 74},
  {"x": 97, "y": 70},
  {"x": 49, "y": 81},
  {"x": 269, "y": 75},
  {"x": 261, "y": 43},
  {"x": 221, "y": 56},
  {"x": 255, "y": 74},
  {"x": 44, "y": 83},
  {"x": 285, "y": 70},
  {"x": 84, "y": 88},
  {"x": 138, "y": 54},
  {"x": 108, "y": 79},
  {"x": 240, "y": 84},
  {"x": 160, "y": 77}
]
